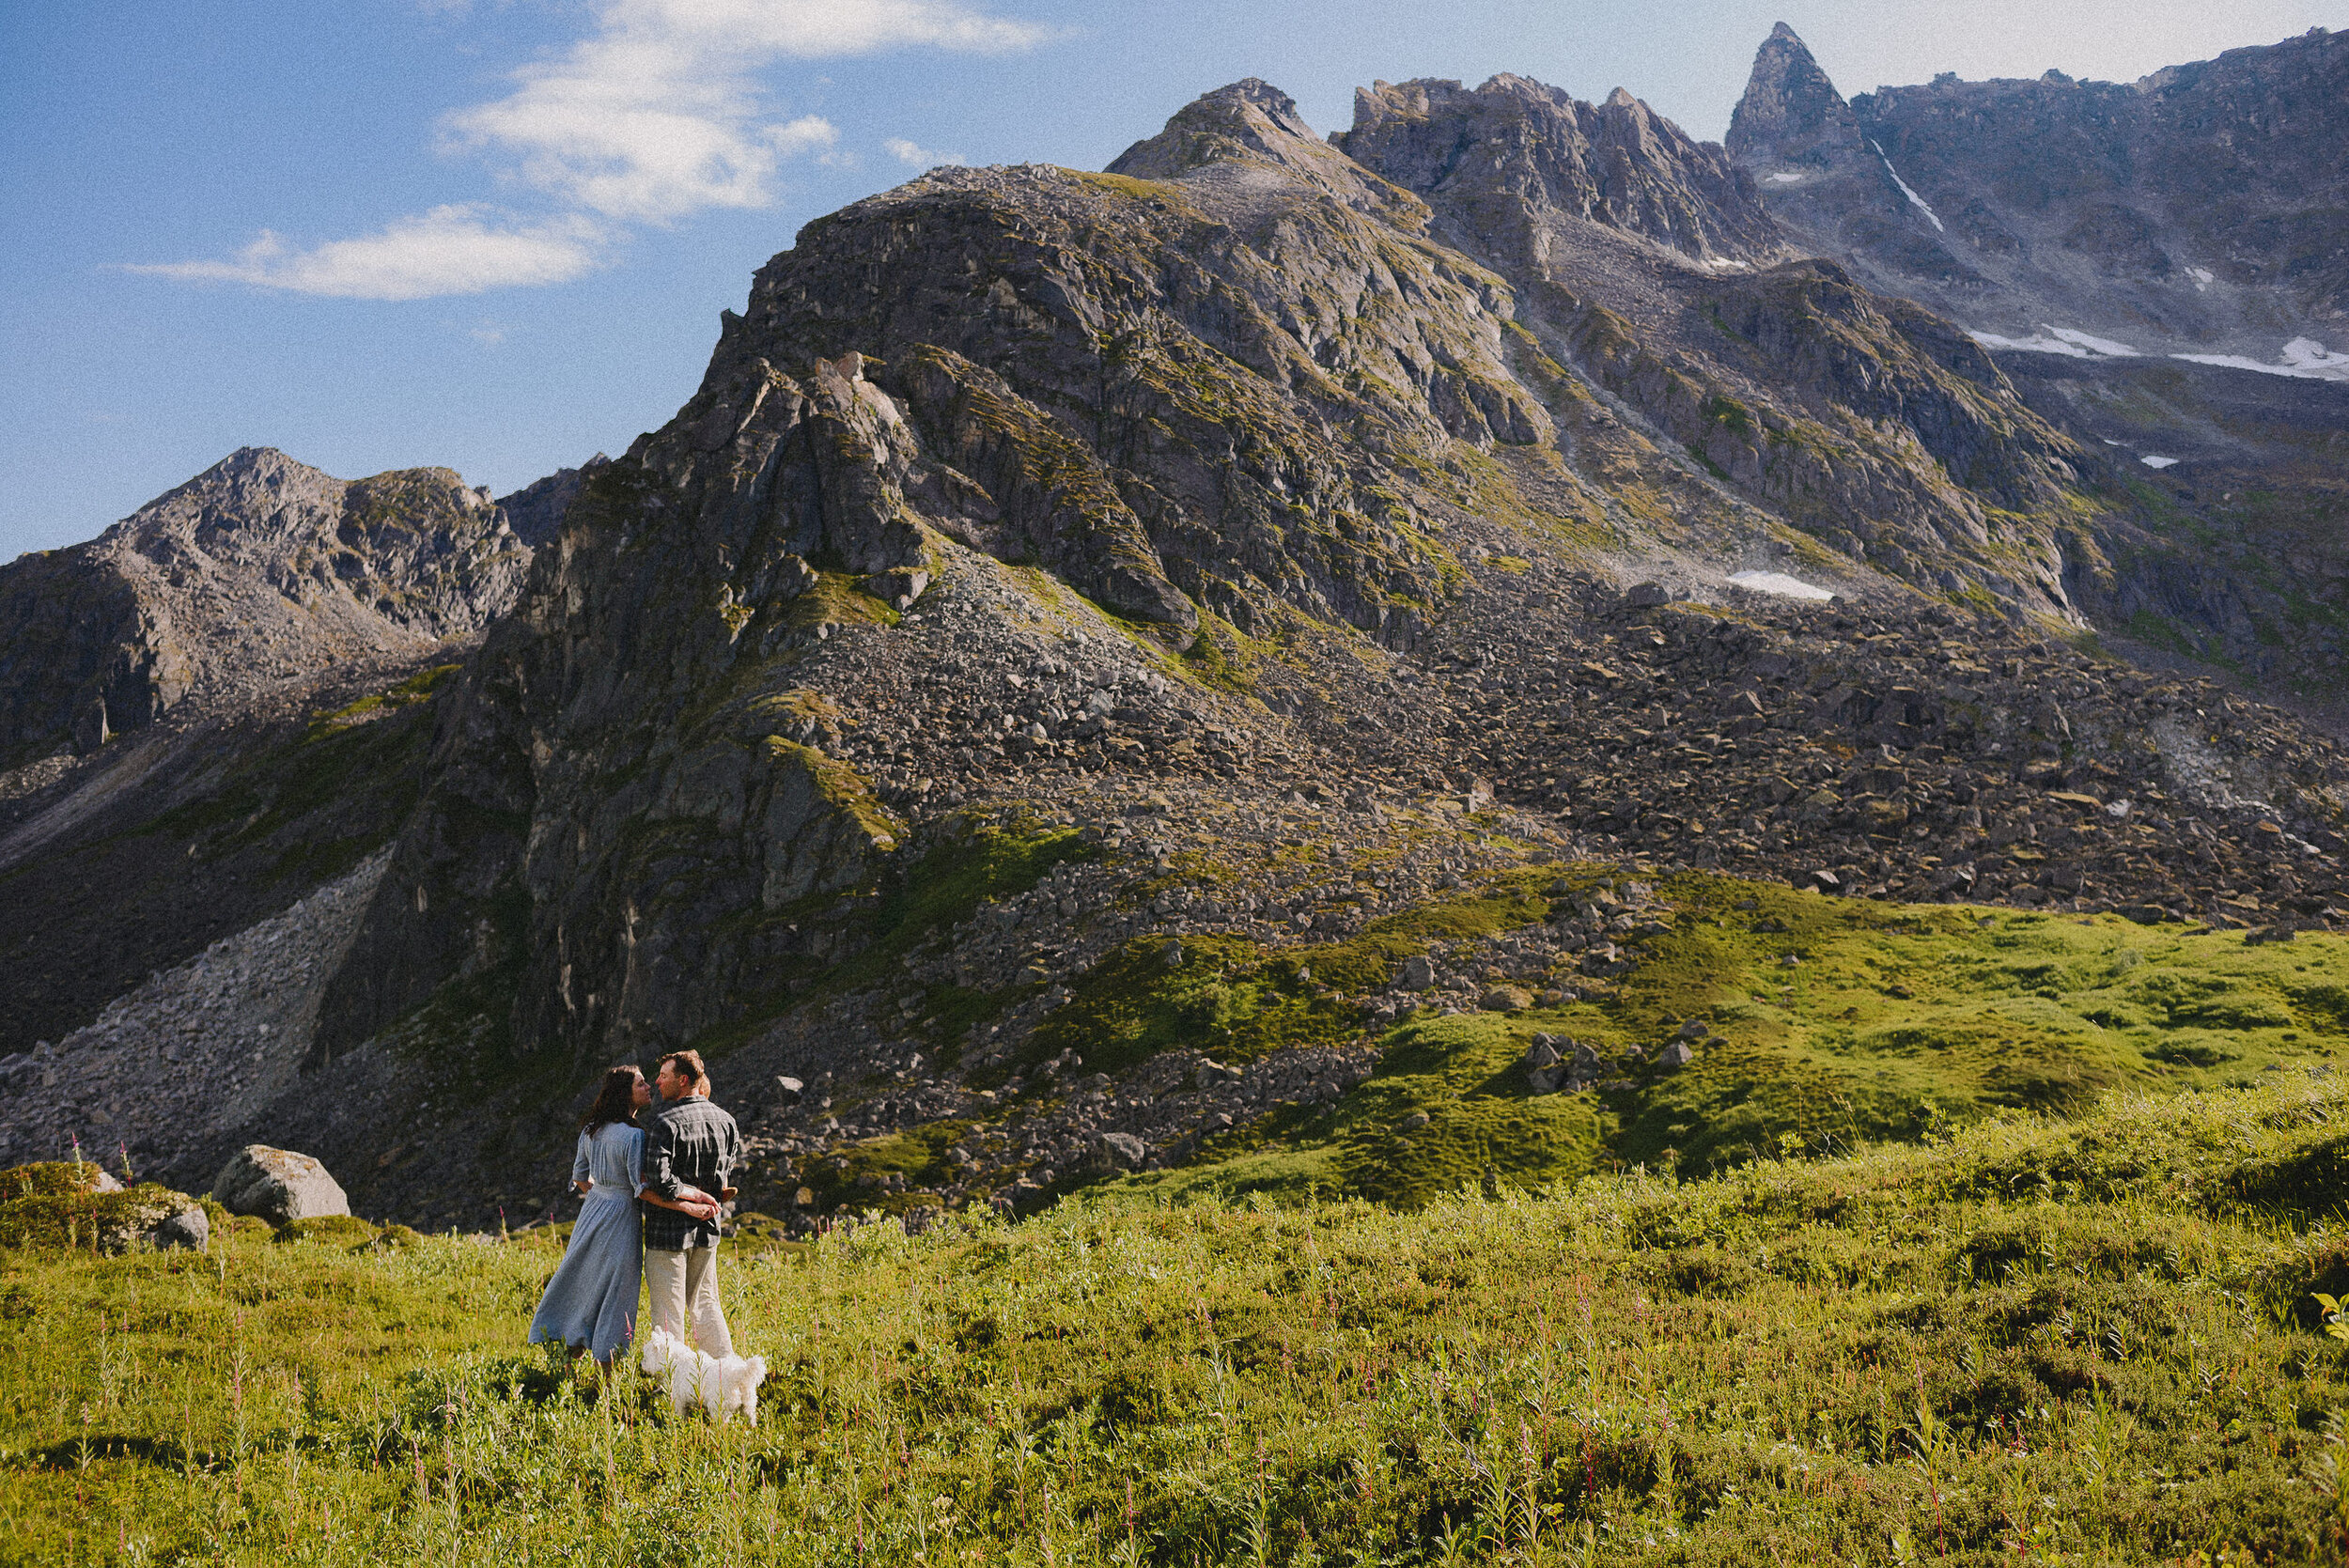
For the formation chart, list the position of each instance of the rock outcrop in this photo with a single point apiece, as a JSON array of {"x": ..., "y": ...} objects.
[
  {"x": 75, "y": 1205},
  {"x": 535, "y": 511}
]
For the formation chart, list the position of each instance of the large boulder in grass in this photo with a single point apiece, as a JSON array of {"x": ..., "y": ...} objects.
[
  {"x": 78, "y": 1207},
  {"x": 278, "y": 1185}
]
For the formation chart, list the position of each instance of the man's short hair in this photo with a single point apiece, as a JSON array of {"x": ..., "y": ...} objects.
[{"x": 688, "y": 1066}]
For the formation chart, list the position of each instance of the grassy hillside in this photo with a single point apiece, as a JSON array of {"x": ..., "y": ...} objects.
[
  {"x": 2083, "y": 1341},
  {"x": 1831, "y": 1022}
]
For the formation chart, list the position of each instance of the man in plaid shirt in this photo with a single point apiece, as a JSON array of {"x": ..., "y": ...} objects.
[{"x": 689, "y": 1144}]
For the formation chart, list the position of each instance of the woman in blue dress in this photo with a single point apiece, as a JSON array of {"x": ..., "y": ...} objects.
[{"x": 591, "y": 1302}]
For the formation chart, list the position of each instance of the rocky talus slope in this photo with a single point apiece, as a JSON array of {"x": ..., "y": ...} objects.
[
  {"x": 1301, "y": 650},
  {"x": 168, "y": 1072}
]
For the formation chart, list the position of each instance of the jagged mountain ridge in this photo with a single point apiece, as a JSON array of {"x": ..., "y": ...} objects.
[
  {"x": 2159, "y": 267},
  {"x": 2201, "y": 208}
]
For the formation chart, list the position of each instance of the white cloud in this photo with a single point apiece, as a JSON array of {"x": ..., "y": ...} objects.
[
  {"x": 656, "y": 115},
  {"x": 449, "y": 250},
  {"x": 658, "y": 112},
  {"x": 917, "y": 156}
]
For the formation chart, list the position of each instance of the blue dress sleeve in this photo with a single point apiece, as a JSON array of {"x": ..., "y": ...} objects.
[
  {"x": 636, "y": 1159},
  {"x": 580, "y": 1170}
]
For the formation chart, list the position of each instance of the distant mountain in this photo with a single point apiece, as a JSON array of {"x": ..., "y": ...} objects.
[
  {"x": 259, "y": 569},
  {"x": 2202, "y": 209}
]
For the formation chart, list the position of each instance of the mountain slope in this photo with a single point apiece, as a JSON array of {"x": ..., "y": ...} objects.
[
  {"x": 1055, "y": 566},
  {"x": 2158, "y": 269}
]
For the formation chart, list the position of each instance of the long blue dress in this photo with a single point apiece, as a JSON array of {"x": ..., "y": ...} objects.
[{"x": 591, "y": 1301}]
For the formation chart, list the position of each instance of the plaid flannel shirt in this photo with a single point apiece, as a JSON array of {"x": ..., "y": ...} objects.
[{"x": 687, "y": 1144}]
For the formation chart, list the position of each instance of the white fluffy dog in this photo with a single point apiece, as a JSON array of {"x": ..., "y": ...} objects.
[
  {"x": 662, "y": 1349},
  {"x": 732, "y": 1384},
  {"x": 719, "y": 1384}
]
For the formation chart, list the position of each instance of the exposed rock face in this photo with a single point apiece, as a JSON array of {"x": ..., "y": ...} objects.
[
  {"x": 1783, "y": 378},
  {"x": 278, "y": 1185},
  {"x": 1515, "y": 158},
  {"x": 258, "y": 570},
  {"x": 535, "y": 511},
  {"x": 2198, "y": 208}
]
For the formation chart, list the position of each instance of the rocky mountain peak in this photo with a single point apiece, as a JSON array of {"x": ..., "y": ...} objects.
[
  {"x": 1791, "y": 110},
  {"x": 2194, "y": 211},
  {"x": 1240, "y": 137},
  {"x": 258, "y": 570},
  {"x": 1249, "y": 119}
]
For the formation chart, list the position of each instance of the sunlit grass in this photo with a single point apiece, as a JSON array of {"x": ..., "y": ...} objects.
[{"x": 2092, "y": 1341}]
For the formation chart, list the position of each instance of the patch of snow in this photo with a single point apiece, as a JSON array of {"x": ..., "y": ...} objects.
[
  {"x": 2037, "y": 343},
  {"x": 1915, "y": 200},
  {"x": 2202, "y": 277},
  {"x": 1780, "y": 583},
  {"x": 2303, "y": 359},
  {"x": 1784, "y": 177},
  {"x": 2151, "y": 461},
  {"x": 2068, "y": 341},
  {"x": 2109, "y": 442},
  {"x": 2094, "y": 345}
]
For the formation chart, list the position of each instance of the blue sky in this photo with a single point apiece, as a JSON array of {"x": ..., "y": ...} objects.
[{"x": 495, "y": 235}]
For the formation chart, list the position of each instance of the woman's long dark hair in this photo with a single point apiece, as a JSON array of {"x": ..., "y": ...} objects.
[{"x": 616, "y": 1101}]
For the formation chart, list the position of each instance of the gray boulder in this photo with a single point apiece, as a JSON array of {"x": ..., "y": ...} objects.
[
  {"x": 278, "y": 1185},
  {"x": 178, "y": 1226},
  {"x": 1121, "y": 1151}
]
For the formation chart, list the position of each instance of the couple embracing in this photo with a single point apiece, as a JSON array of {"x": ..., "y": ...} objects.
[{"x": 675, "y": 1168}]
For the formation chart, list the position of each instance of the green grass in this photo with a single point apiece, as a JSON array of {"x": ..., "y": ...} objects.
[
  {"x": 2086, "y": 1341},
  {"x": 420, "y": 687},
  {"x": 1894, "y": 1020}
]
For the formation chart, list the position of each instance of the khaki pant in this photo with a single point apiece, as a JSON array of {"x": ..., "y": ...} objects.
[{"x": 684, "y": 1285}]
